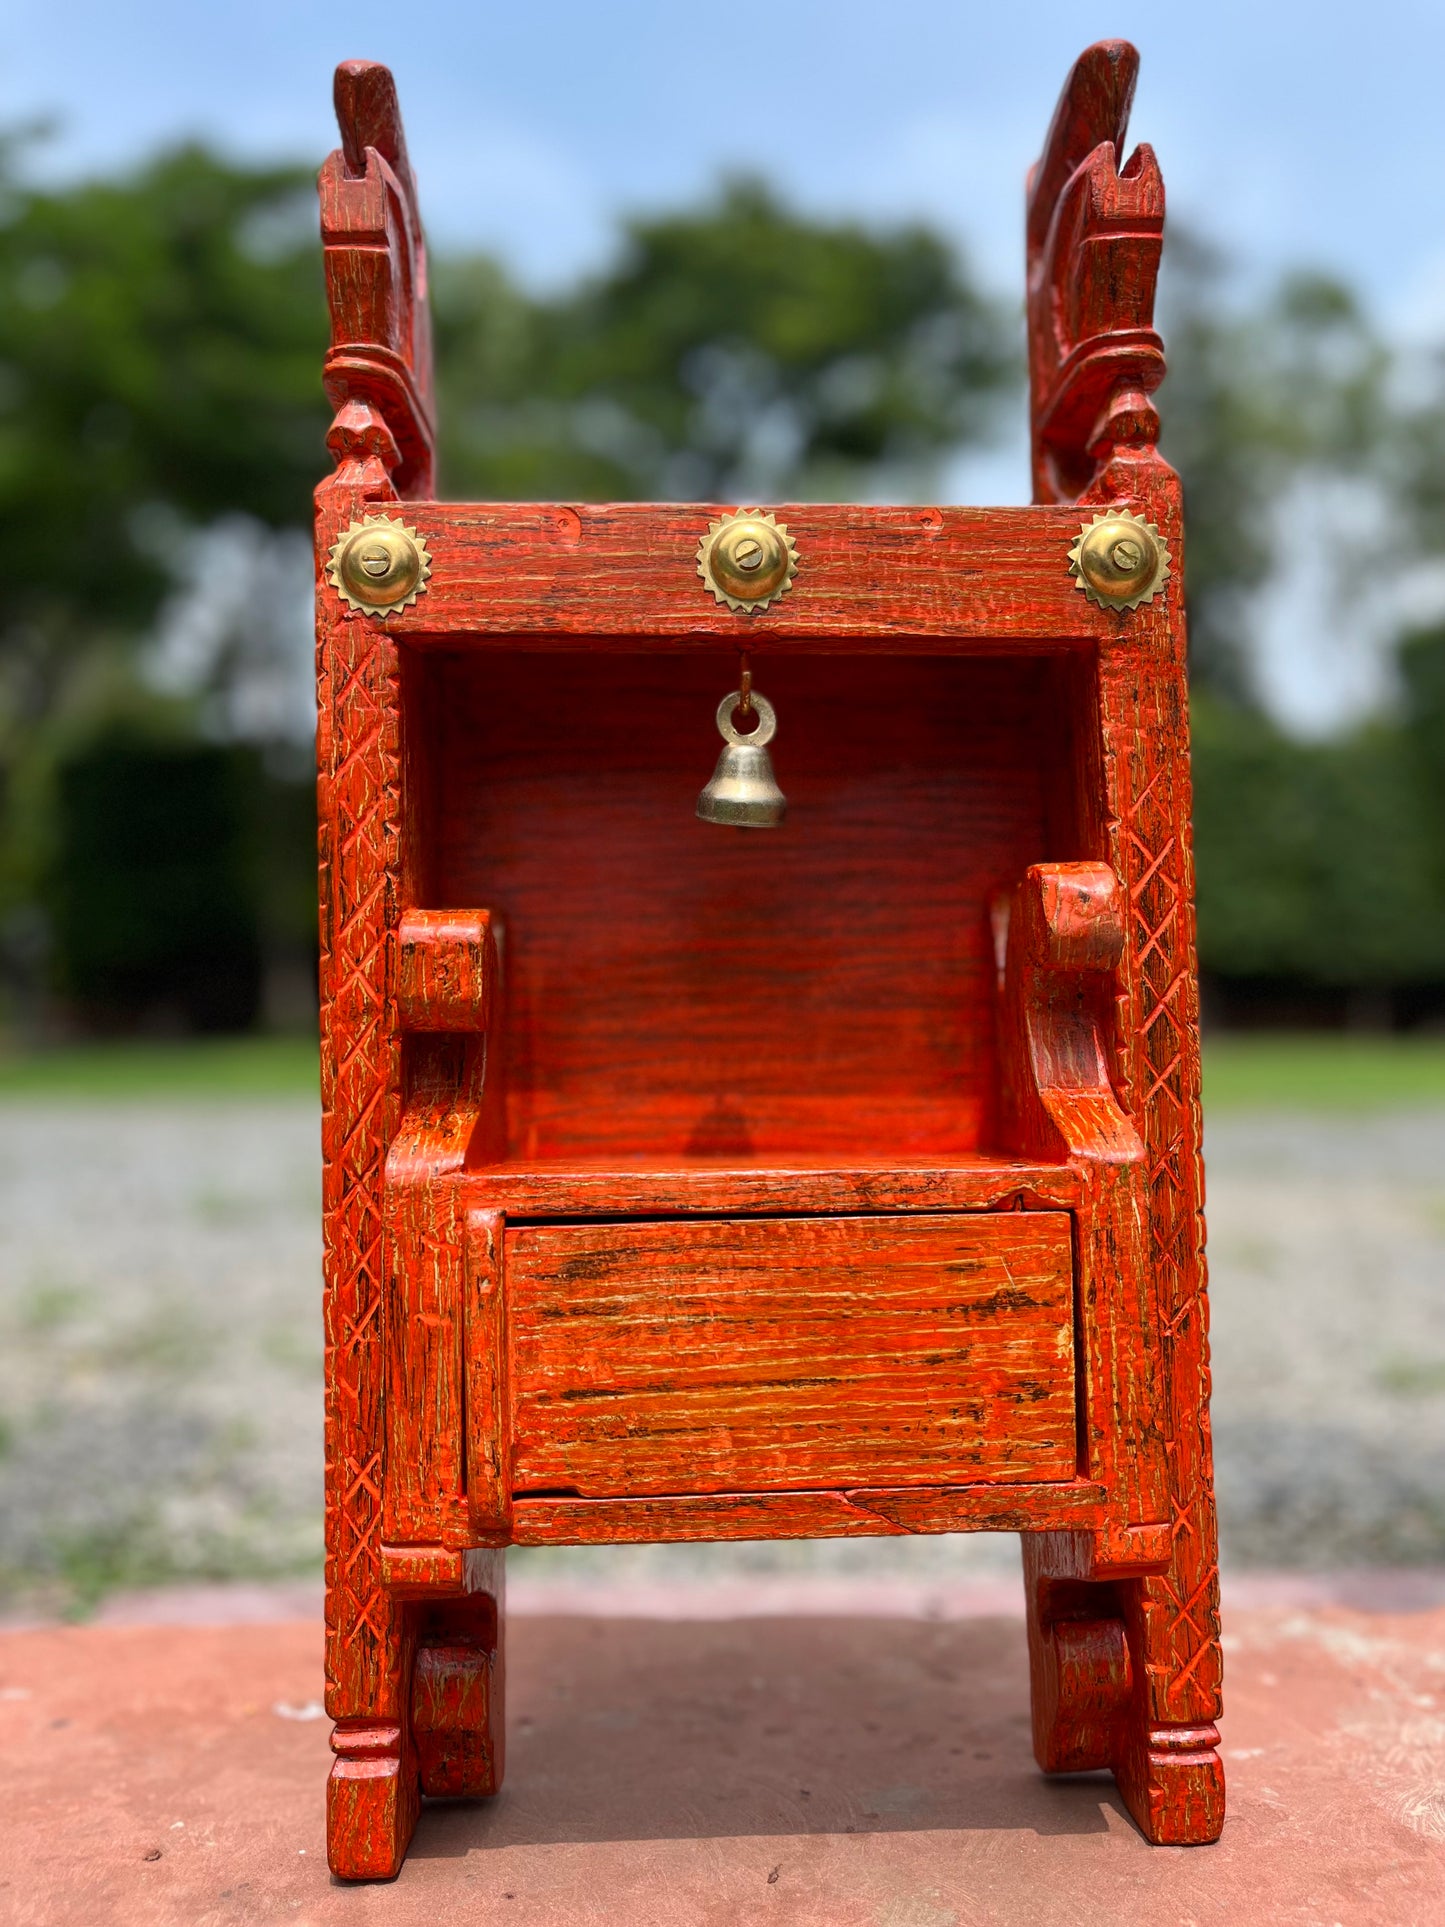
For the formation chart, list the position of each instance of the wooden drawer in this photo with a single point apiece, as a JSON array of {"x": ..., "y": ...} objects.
[{"x": 769, "y": 1355}]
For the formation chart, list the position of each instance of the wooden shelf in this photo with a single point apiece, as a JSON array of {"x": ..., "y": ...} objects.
[{"x": 704, "y": 1187}]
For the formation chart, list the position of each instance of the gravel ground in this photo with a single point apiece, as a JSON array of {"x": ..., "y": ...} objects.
[{"x": 160, "y": 1351}]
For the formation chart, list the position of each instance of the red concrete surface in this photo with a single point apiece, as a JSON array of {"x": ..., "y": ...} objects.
[{"x": 828, "y": 1768}]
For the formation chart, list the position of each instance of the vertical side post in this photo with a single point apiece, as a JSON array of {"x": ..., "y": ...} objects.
[
  {"x": 378, "y": 378},
  {"x": 1094, "y": 235}
]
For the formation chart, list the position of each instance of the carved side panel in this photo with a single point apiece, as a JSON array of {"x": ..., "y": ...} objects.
[
  {"x": 378, "y": 376},
  {"x": 1144, "y": 698},
  {"x": 1094, "y": 236},
  {"x": 359, "y": 808}
]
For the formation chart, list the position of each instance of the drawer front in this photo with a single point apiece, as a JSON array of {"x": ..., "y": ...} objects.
[{"x": 775, "y": 1355}]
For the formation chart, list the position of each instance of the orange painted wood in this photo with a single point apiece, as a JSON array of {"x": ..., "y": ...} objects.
[
  {"x": 673, "y": 990},
  {"x": 373, "y": 1794},
  {"x": 644, "y": 1188},
  {"x": 378, "y": 372},
  {"x": 424, "y": 1498},
  {"x": 622, "y": 577},
  {"x": 684, "y": 1214},
  {"x": 488, "y": 1425},
  {"x": 1094, "y": 233},
  {"x": 422, "y": 1569},
  {"x": 886, "y": 1512},
  {"x": 458, "y": 1695},
  {"x": 446, "y": 970},
  {"x": 785, "y": 1354}
]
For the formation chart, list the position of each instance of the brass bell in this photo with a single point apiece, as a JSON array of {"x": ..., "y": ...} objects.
[{"x": 743, "y": 791}]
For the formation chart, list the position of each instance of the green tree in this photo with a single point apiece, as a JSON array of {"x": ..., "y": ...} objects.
[
  {"x": 739, "y": 348},
  {"x": 1316, "y": 860},
  {"x": 160, "y": 336},
  {"x": 1422, "y": 678},
  {"x": 1260, "y": 395}
]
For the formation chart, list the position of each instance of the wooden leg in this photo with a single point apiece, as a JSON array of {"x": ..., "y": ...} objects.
[
  {"x": 1170, "y": 1772},
  {"x": 373, "y": 1796},
  {"x": 457, "y": 1700},
  {"x": 1172, "y": 1780},
  {"x": 1105, "y": 1664}
]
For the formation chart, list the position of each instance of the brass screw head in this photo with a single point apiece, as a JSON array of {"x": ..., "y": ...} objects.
[
  {"x": 747, "y": 559},
  {"x": 1119, "y": 560},
  {"x": 379, "y": 565}
]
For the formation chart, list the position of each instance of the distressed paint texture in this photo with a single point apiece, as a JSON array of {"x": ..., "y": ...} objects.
[
  {"x": 687, "y": 1184},
  {"x": 787, "y": 1354}
]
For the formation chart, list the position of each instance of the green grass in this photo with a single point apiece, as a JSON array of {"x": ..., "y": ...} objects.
[
  {"x": 222, "y": 1067},
  {"x": 1323, "y": 1072},
  {"x": 1305, "y": 1072}
]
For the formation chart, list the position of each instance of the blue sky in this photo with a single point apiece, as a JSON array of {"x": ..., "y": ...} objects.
[{"x": 1292, "y": 131}]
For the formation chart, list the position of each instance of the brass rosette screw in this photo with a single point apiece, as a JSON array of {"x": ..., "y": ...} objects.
[
  {"x": 747, "y": 559},
  {"x": 379, "y": 565},
  {"x": 1119, "y": 560}
]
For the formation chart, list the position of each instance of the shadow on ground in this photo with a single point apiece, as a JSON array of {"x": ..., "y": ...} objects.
[{"x": 655, "y": 1731}]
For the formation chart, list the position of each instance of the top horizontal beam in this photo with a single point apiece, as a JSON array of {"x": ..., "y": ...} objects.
[{"x": 548, "y": 575}]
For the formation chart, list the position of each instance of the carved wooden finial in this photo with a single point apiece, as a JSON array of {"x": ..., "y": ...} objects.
[
  {"x": 376, "y": 281},
  {"x": 369, "y": 115},
  {"x": 1093, "y": 107},
  {"x": 1095, "y": 229}
]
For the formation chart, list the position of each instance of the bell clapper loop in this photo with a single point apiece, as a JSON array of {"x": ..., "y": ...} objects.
[
  {"x": 743, "y": 791},
  {"x": 745, "y": 680}
]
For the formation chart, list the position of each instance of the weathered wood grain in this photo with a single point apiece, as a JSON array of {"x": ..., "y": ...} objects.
[
  {"x": 458, "y": 1692},
  {"x": 622, "y": 577},
  {"x": 424, "y": 1494},
  {"x": 675, "y": 989},
  {"x": 380, "y": 359},
  {"x": 790, "y": 1354},
  {"x": 1093, "y": 251},
  {"x": 487, "y": 1426},
  {"x": 446, "y": 971},
  {"x": 780, "y": 1185},
  {"x": 714, "y": 1187},
  {"x": 1095, "y": 231},
  {"x": 1075, "y": 1504}
]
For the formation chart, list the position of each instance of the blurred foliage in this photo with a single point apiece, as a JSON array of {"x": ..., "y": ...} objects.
[
  {"x": 160, "y": 336},
  {"x": 154, "y": 891},
  {"x": 160, "y": 344},
  {"x": 1316, "y": 860},
  {"x": 1422, "y": 677},
  {"x": 736, "y": 349},
  {"x": 1260, "y": 395}
]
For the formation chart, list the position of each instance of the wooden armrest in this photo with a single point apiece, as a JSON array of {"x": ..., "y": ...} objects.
[
  {"x": 447, "y": 968},
  {"x": 1062, "y": 944}
]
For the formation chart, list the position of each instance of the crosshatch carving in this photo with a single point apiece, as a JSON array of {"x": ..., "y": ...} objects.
[{"x": 906, "y": 1238}]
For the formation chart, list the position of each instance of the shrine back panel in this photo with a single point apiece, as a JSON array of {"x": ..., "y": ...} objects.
[{"x": 678, "y": 990}]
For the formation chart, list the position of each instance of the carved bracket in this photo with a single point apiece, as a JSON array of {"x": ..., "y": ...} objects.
[
  {"x": 457, "y": 1694},
  {"x": 1083, "y": 1674},
  {"x": 1063, "y": 937}
]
